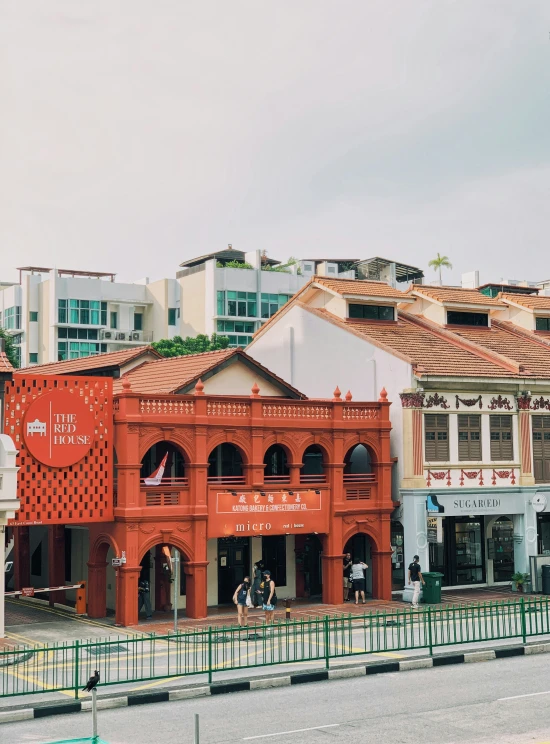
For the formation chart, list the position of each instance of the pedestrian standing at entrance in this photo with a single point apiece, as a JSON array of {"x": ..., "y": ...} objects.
[
  {"x": 144, "y": 598},
  {"x": 242, "y": 599},
  {"x": 415, "y": 577},
  {"x": 347, "y": 571},
  {"x": 269, "y": 598},
  {"x": 255, "y": 592},
  {"x": 358, "y": 579}
]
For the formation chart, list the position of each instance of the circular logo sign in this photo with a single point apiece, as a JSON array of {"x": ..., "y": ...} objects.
[{"x": 59, "y": 428}]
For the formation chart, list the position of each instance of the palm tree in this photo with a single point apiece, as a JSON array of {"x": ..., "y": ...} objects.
[{"x": 437, "y": 263}]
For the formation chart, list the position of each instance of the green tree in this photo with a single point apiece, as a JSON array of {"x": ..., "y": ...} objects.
[
  {"x": 9, "y": 348},
  {"x": 440, "y": 262},
  {"x": 178, "y": 346}
]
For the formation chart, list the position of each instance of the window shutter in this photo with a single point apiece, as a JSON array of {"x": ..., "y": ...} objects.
[
  {"x": 469, "y": 436},
  {"x": 436, "y": 436},
  {"x": 502, "y": 446}
]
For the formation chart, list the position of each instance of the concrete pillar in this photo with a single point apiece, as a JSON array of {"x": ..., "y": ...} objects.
[
  {"x": 56, "y": 562},
  {"x": 21, "y": 557},
  {"x": 333, "y": 585},
  {"x": 196, "y": 589},
  {"x": 127, "y": 578},
  {"x": 97, "y": 589}
]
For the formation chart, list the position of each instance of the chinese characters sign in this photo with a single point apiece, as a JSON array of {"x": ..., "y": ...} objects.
[{"x": 274, "y": 512}]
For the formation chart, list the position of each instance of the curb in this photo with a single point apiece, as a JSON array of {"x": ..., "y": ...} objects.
[{"x": 115, "y": 700}]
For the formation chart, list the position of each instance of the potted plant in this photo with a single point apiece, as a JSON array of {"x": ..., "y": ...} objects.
[{"x": 520, "y": 579}]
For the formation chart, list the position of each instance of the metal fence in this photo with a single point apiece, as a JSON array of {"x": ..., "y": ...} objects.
[{"x": 67, "y": 666}]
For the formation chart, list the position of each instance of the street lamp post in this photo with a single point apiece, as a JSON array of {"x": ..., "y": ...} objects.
[{"x": 176, "y": 562}]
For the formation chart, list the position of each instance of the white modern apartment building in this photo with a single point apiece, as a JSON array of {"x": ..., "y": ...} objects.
[
  {"x": 233, "y": 293},
  {"x": 54, "y": 314}
]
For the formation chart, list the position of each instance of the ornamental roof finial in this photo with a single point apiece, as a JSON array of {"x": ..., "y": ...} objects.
[
  {"x": 348, "y": 396},
  {"x": 383, "y": 396},
  {"x": 337, "y": 394},
  {"x": 199, "y": 387}
]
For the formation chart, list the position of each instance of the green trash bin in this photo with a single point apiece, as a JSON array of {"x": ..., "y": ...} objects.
[{"x": 431, "y": 591}]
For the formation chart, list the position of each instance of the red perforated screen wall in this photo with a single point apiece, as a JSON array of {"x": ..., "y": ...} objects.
[{"x": 79, "y": 492}]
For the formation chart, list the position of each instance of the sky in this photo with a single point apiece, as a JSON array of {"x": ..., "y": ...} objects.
[{"x": 136, "y": 134}]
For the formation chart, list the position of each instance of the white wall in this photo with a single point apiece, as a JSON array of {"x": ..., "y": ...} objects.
[
  {"x": 316, "y": 356},
  {"x": 238, "y": 379}
]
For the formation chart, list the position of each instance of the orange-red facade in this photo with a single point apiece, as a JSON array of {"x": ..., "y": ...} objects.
[
  {"x": 187, "y": 511},
  {"x": 76, "y": 421}
]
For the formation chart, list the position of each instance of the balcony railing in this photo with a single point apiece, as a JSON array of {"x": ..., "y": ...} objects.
[
  {"x": 313, "y": 478},
  {"x": 359, "y": 478},
  {"x": 275, "y": 479},
  {"x": 227, "y": 480},
  {"x": 116, "y": 335}
]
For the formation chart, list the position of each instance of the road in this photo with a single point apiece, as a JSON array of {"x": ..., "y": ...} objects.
[{"x": 504, "y": 702}]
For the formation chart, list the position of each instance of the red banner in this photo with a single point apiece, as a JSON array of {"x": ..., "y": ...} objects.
[{"x": 267, "y": 513}]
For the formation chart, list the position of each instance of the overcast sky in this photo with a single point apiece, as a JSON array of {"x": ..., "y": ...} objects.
[{"x": 135, "y": 134}]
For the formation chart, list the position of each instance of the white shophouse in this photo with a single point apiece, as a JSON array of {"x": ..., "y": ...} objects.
[{"x": 469, "y": 379}]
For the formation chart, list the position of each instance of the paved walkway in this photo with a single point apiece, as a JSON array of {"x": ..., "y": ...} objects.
[{"x": 31, "y": 623}]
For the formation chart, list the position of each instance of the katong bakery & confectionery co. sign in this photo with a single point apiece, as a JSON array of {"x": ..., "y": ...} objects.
[
  {"x": 59, "y": 428},
  {"x": 267, "y": 513}
]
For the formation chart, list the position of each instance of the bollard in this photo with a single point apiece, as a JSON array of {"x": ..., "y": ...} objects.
[
  {"x": 81, "y": 599},
  {"x": 287, "y": 609}
]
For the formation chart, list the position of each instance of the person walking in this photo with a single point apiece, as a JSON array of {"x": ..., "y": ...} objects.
[
  {"x": 347, "y": 570},
  {"x": 144, "y": 598},
  {"x": 242, "y": 599},
  {"x": 358, "y": 578},
  {"x": 269, "y": 598},
  {"x": 415, "y": 577},
  {"x": 255, "y": 591}
]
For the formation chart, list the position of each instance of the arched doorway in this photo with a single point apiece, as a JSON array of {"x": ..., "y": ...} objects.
[
  {"x": 276, "y": 464},
  {"x": 158, "y": 569},
  {"x": 174, "y": 468},
  {"x": 313, "y": 468},
  {"x": 502, "y": 549},
  {"x": 360, "y": 546},
  {"x": 358, "y": 460},
  {"x": 225, "y": 462}
]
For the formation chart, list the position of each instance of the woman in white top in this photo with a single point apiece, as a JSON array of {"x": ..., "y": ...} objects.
[{"x": 358, "y": 579}]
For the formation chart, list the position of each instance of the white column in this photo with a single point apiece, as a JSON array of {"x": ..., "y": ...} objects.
[{"x": 415, "y": 535}]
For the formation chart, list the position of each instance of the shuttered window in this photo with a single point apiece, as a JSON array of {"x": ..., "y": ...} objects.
[
  {"x": 502, "y": 447},
  {"x": 469, "y": 437},
  {"x": 541, "y": 448},
  {"x": 436, "y": 435}
]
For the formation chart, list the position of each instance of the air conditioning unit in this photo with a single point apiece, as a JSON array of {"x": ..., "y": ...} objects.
[
  {"x": 107, "y": 334},
  {"x": 121, "y": 336},
  {"x": 135, "y": 336}
]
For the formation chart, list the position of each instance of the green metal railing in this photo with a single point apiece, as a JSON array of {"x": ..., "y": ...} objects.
[{"x": 207, "y": 651}]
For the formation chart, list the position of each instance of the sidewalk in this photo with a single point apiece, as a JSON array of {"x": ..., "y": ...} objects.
[{"x": 31, "y": 623}]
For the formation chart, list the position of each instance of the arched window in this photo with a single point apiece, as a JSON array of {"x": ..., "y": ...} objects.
[
  {"x": 154, "y": 457},
  {"x": 275, "y": 461},
  {"x": 358, "y": 460},
  {"x": 225, "y": 461},
  {"x": 313, "y": 461}
]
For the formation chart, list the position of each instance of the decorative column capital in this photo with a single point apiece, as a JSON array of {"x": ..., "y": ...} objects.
[{"x": 412, "y": 400}]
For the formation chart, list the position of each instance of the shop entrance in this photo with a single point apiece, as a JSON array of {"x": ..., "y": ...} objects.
[
  {"x": 312, "y": 566},
  {"x": 543, "y": 532},
  {"x": 360, "y": 547},
  {"x": 397, "y": 557},
  {"x": 501, "y": 549},
  {"x": 233, "y": 565},
  {"x": 461, "y": 555}
]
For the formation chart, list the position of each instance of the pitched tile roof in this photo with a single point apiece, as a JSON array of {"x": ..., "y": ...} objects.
[
  {"x": 454, "y": 295},
  {"x": 359, "y": 287},
  {"x": 503, "y": 338},
  {"x": 431, "y": 352},
  {"x": 99, "y": 361},
  {"x": 5, "y": 364},
  {"x": 531, "y": 302},
  {"x": 170, "y": 374}
]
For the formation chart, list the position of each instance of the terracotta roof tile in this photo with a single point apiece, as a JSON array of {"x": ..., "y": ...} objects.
[
  {"x": 170, "y": 374},
  {"x": 454, "y": 295},
  {"x": 5, "y": 364},
  {"x": 531, "y": 302},
  {"x": 359, "y": 287},
  {"x": 99, "y": 361},
  {"x": 502, "y": 338},
  {"x": 418, "y": 345}
]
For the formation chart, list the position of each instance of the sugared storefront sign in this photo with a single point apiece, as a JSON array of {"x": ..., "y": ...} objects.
[{"x": 267, "y": 513}]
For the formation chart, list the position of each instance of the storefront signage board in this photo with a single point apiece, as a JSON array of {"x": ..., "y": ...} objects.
[
  {"x": 458, "y": 505},
  {"x": 274, "y": 513},
  {"x": 435, "y": 530}
]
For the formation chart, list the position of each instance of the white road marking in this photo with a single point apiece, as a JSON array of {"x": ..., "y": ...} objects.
[
  {"x": 516, "y": 697},
  {"x": 295, "y": 731}
]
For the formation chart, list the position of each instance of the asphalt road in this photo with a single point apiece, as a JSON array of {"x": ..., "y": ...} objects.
[{"x": 505, "y": 701}]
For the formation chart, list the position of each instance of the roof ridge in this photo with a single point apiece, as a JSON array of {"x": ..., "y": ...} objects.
[
  {"x": 102, "y": 355},
  {"x": 460, "y": 341},
  {"x": 508, "y": 326},
  {"x": 199, "y": 353}
]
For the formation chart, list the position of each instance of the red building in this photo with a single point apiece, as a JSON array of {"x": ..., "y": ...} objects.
[{"x": 252, "y": 469}]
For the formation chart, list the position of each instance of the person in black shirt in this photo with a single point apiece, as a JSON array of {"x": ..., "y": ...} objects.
[
  {"x": 144, "y": 598},
  {"x": 415, "y": 577},
  {"x": 347, "y": 571}
]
